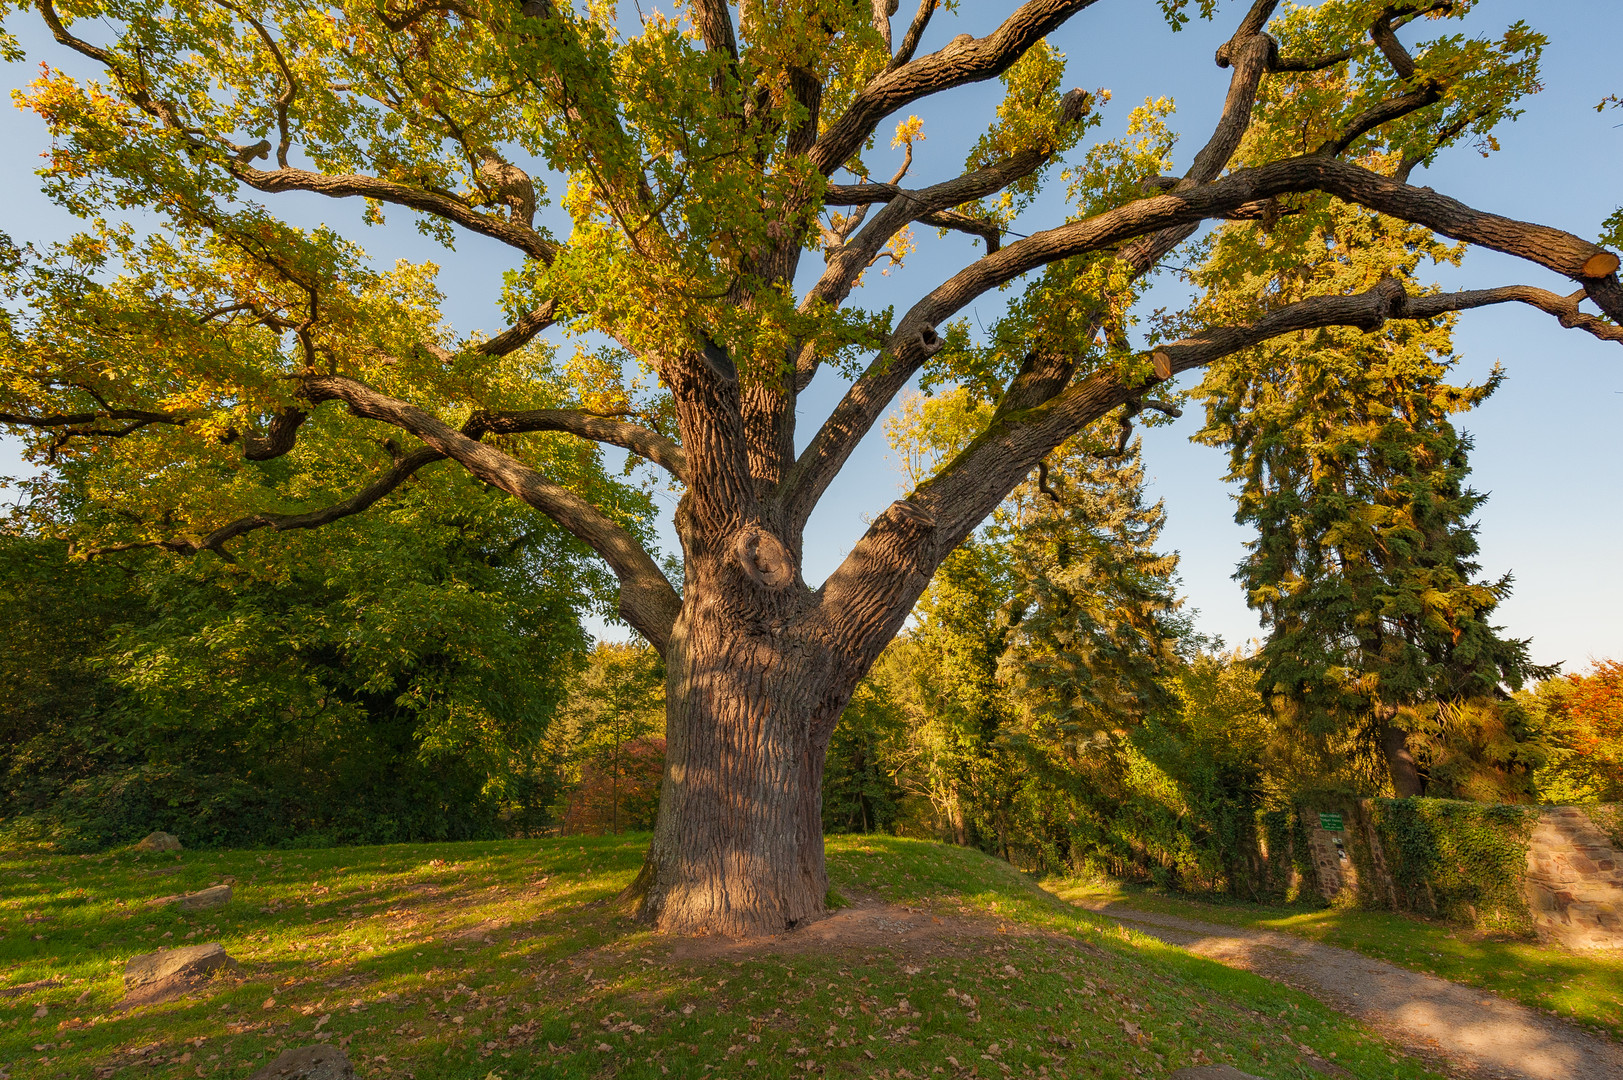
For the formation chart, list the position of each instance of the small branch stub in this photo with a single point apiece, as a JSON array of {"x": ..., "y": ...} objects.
[
  {"x": 911, "y": 512},
  {"x": 1163, "y": 365},
  {"x": 716, "y": 358},
  {"x": 1599, "y": 265},
  {"x": 764, "y": 558}
]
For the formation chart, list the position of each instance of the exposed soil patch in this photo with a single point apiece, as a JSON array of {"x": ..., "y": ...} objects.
[
  {"x": 29, "y": 987},
  {"x": 1471, "y": 1032},
  {"x": 479, "y": 933},
  {"x": 866, "y": 924}
]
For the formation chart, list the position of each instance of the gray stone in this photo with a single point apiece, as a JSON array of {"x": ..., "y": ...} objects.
[
  {"x": 213, "y": 896},
  {"x": 319, "y": 1062},
  {"x": 159, "y": 841},
  {"x": 1212, "y": 1072},
  {"x": 167, "y": 974}
]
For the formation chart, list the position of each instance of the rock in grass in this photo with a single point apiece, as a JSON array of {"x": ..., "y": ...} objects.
[
  {"x": 1212, "y": 1072},
  {"x": 169, "y": 973},
  {"x": 213, "y": 896},
  {"x": 319, "y": 1062},
  {"x": 159, "y": 841}
]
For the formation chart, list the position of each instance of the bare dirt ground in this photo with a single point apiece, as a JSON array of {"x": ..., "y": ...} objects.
[
  {"x": 1470, "y": 1032},
  {"x": 866, "y": 924}
]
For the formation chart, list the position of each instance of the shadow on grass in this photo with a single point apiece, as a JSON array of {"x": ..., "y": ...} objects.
[{"x": 470, "y": 960}]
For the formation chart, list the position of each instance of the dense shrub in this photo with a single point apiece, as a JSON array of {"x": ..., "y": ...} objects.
[{"x": 377, "y": 682}]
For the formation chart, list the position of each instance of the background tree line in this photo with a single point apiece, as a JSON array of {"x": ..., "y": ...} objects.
[
  {"x": 1051, "y": 702},
  {"x": 420, "y": 672}
]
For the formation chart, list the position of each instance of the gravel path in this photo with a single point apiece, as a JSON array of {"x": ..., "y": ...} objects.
[{"x": 1474, "y": 1032}]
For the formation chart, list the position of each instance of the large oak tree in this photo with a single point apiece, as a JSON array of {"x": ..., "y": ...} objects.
[{"x": 660, "y": 185}]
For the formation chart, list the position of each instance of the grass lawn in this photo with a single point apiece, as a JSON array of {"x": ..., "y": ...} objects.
[
  {"x": 1585, "y": 986},
  {"x": 510, "y": 960}
]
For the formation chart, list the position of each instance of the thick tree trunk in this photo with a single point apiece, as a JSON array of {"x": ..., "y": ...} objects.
[
  {"x": 1400, "y": 762},
  {"x": 738, "y": 849}
]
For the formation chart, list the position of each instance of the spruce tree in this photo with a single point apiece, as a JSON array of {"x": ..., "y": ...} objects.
[
  {"x": 1098, "y": 606},
  {"x": 1054, "y": 627},
  {"x": 1364, "y": 564}
]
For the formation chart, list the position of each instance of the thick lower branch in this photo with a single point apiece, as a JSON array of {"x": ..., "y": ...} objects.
[
  {"x": 352, "y": 185},
  {"x": 647, "y": 600},
  {"x": 647, "y": 444},
  {"x": 522, "y": 332},
  {"x": 72, "y": 421},
  {"x": 874, "y": 588}
]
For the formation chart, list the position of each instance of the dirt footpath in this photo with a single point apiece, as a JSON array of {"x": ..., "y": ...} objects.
[{"x": 1472, "y": 1032}]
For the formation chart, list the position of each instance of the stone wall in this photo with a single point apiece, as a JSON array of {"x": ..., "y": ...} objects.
[
  {"x": 1574, "y": 884},
  {"x": 1333, "y": 869},
  {"x": 1330, "y": 851},
  {"x": 1573, "y": 887}
]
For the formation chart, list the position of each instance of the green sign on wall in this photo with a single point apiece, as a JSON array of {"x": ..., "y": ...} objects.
[{"x": 1330, "y": 822}]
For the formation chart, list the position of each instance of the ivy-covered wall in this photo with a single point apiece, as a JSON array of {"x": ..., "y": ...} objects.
[
  {"x": 1501, "y": 869},
  {"x": 1464, "y": 862},
  {"x": 1512, "y": 870}
]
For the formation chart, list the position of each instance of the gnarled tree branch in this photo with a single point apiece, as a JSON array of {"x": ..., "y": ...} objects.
[
  {"x": 647, "y": 600},
  {"x": 357, "y": 503},
  {"x": 521, "y": 332},
  {"x": 650, "y": 445},
  {"x": 931, "y": 205},
  {"x": 902, "y": 548},
  {"x": 354, "y": 185},
  {"x": 963, "y": 60},
  {"x": 1560, "y": 251}
]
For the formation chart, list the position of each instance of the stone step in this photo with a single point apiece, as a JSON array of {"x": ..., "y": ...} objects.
[
  {"x": 1574, "y": 825},
  {"x": 1609, "y": 891}
]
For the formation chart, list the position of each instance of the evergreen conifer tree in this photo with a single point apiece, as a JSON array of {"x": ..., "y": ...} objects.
[
  {"x": 1097, "y": 601},
  {"x": 1364, "y": 566}
]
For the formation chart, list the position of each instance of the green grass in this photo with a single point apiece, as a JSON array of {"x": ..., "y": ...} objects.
[
  {"x": 509, "y": 959},
  {"x": 1584, "y": 986}
]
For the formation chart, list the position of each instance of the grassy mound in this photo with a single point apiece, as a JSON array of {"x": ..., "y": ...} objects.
[{"x": 510, "y": 960}]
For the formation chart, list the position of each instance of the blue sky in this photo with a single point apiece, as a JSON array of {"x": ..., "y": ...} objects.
[{"x": 1549, "y": 445}]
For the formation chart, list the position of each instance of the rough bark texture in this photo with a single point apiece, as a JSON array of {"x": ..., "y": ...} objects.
[{"x": 752, "y": 700}]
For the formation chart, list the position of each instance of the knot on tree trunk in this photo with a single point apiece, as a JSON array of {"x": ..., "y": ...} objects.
[
  {"x": 1230, "y": 50},
  {"x": 1074, "y": 106},
  {"x": 1390, "y": 298},
  {"x": 764, "y": 559},
  {"x": 278, "y": 438},
  {"x": 719, "y": 363},
  {"x": 924, "y": 339},
  {"x": 510, "y": 186}
]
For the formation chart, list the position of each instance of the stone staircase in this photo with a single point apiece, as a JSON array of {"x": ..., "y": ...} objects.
[{"x": 1574, "y": 883}]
